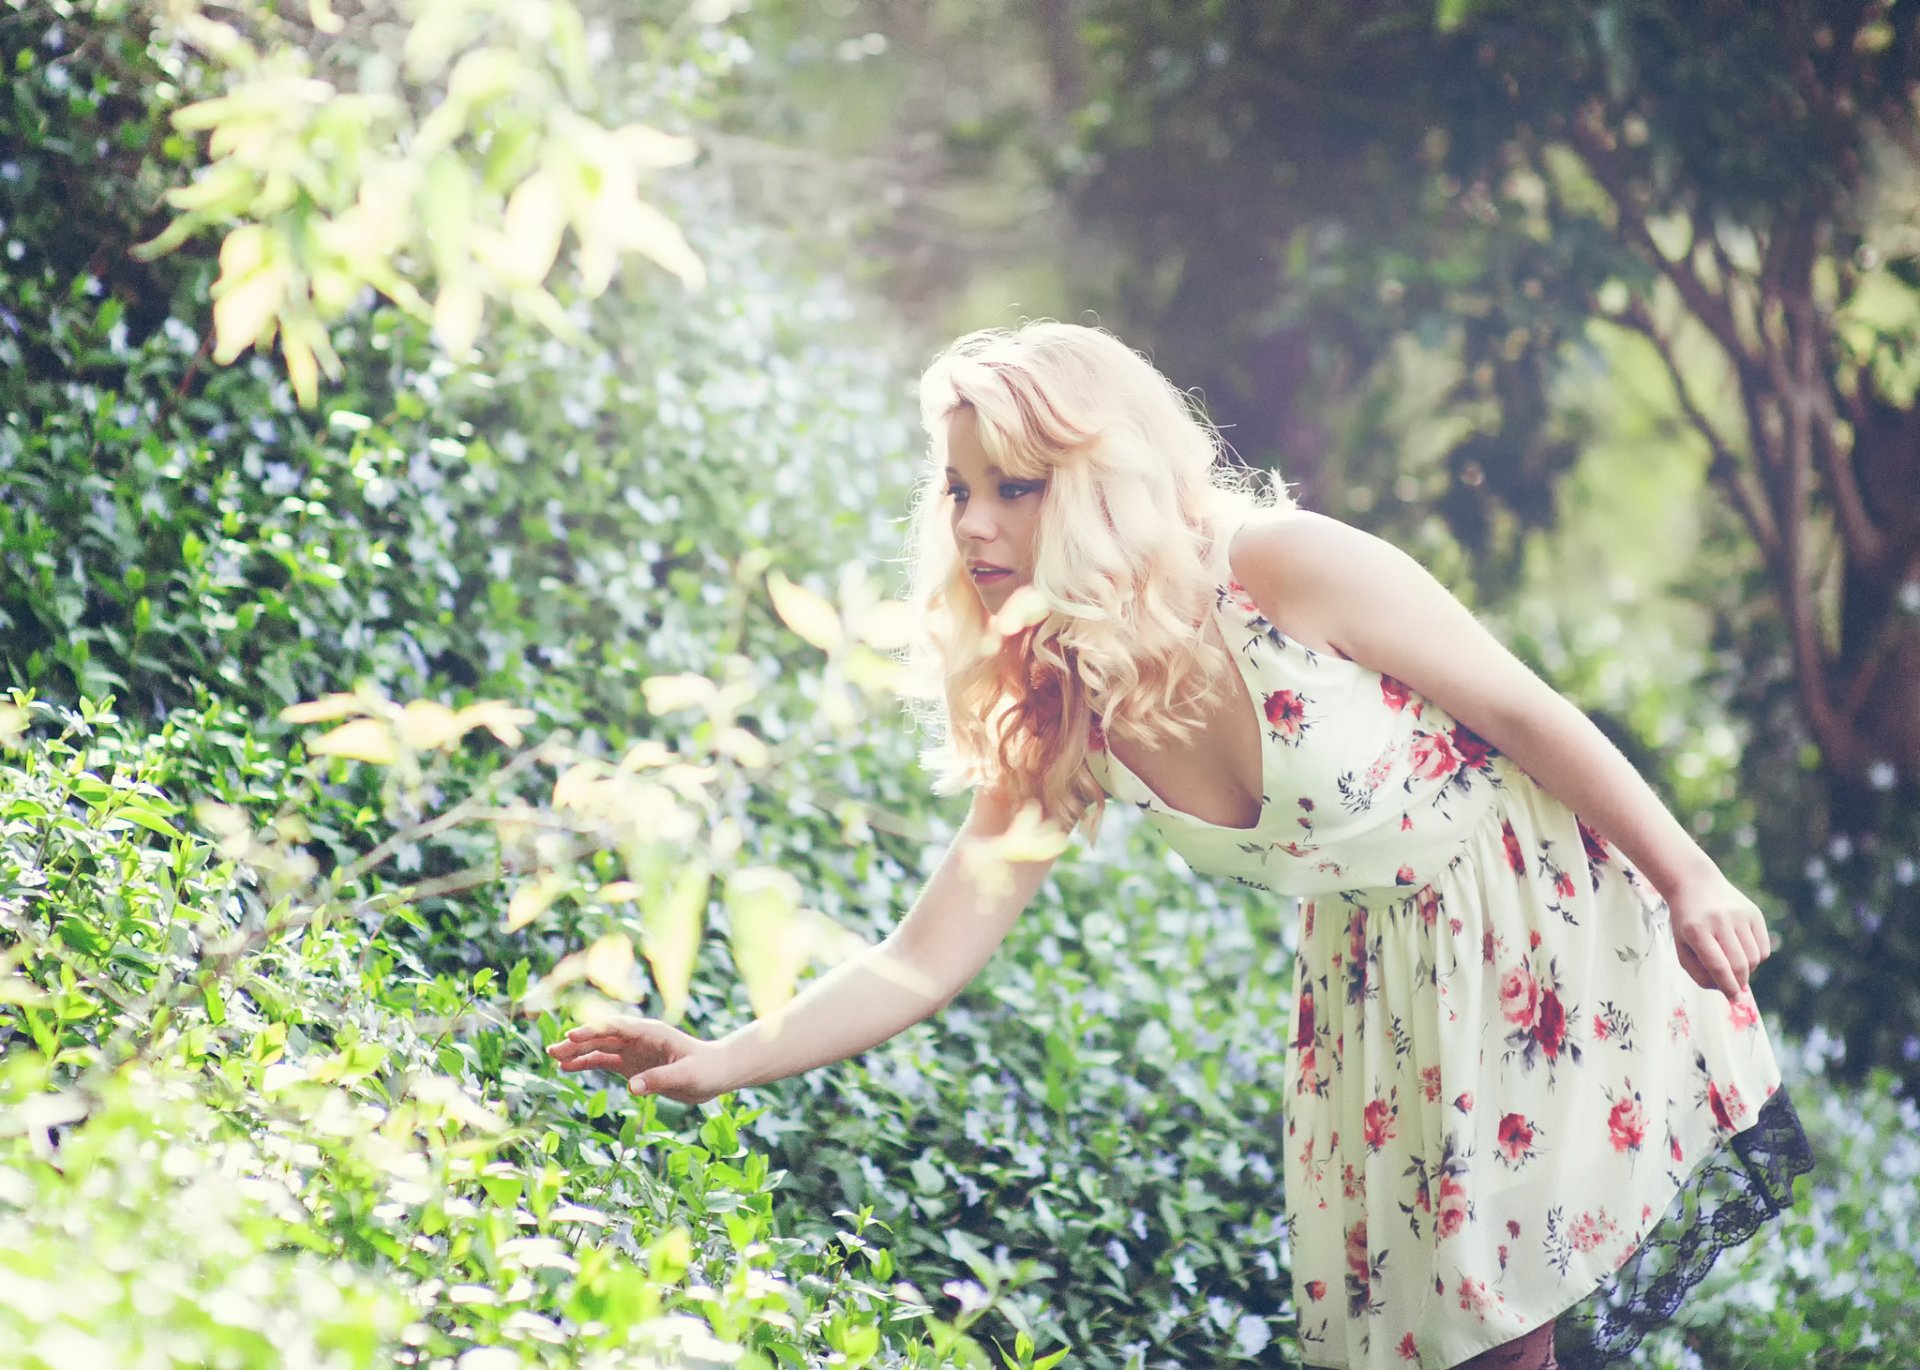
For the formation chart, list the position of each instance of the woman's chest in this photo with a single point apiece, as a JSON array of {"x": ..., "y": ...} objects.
[{"x": 1217, "y": 773}]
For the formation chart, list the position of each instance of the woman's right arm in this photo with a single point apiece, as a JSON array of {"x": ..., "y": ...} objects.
[{"x": 942, "y": 943}]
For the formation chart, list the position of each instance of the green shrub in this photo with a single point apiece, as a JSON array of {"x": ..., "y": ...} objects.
[{"x": 245, "y": 1134}]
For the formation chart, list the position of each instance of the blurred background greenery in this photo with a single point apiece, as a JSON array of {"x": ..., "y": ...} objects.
[{"x": 530, "y": 383}]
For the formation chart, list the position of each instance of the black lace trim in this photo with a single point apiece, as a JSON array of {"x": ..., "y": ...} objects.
[{"x": 1722, "y": 1204}]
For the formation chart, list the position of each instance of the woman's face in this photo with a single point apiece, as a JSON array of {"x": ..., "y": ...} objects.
[{"x": 993, "y": 515}]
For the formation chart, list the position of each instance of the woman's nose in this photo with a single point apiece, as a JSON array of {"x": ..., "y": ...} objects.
[{"x": 975, "y": 525}]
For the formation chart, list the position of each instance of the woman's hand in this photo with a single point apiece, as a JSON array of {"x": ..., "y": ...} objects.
[
  {"x": 1720, "y": 934},
  {"x": 654, "y": 1057}
]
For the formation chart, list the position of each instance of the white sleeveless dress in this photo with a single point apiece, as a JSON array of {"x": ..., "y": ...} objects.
[{"x": 1500, "y": 1076}]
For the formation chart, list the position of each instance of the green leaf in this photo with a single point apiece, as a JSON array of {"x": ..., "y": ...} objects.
[{"x": 149, "y": 820}]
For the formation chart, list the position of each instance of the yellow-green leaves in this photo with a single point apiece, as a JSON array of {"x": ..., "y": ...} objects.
[
  {"x": 378, "y": 730},
  {"x": 534, "y": 898},
  {"x": 810, "y": 616},
  {"x": 364, "y": 739},
  {"x": 1025, "y": 607},
  {"x": 323, "y": 193},
  {"x": 666, "y": 694},
  {"x": 1029, "y": 837},
  {"x": 670, "y": 929},
  {"x": 609, "y": 965},
  {"x": 769, "y": 940},
  {"x": 251, "y": 291}
]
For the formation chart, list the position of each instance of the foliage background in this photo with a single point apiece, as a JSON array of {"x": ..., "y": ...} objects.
[{"x": 273, "y": 1089}]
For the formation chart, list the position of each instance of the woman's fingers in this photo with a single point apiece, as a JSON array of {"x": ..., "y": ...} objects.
[
  {"x": 594, "y": 1060},
  {"x": 1753, "y": 936},
  {"x": 1711, "y": 967}
]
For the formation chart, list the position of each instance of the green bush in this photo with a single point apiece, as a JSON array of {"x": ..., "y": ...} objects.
[
  {"x": 241, "y": 1135},
  {"x": 1106, "y": 1102}
]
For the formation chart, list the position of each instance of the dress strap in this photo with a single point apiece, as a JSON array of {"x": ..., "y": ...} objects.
[{"x": 1235, "y": 519}]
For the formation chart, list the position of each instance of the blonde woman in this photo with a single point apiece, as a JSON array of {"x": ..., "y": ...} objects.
[{"x": 1523, "y": 1036}]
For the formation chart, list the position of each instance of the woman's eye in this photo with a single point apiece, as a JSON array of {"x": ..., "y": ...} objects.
[
  {"x": 1015, "y": 489},
  {"x": 959, "y": 492}
]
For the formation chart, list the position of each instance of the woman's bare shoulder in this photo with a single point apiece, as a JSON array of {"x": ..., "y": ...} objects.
[
  {"x": 1295, "y": 564},
  {"x": 1294, "y": 543}
]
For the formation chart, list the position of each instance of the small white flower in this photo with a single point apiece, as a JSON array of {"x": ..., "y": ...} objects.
[
  {"x": 1252, "y": 1336},
  {"x": 971, "y": 1296}
]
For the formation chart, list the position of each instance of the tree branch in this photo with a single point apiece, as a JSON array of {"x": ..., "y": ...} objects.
[
  {"x": 1866, "y": 542},
  {"x": 1594, "y": 146},
  {"x": 1724, "y": 467}
]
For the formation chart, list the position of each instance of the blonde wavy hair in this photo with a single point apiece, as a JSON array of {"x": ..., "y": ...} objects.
[{"x": 1129, "y": 547}]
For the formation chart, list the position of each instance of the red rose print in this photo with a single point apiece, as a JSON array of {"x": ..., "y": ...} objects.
[
  {"x": 1520, "y": 997},
  {"x": 1393, "y": 692},
  {"x": 1550, "y": 1029},
  {"x": 1357, "y": 1251},
  {"x": 1600, "y": 1027},
  {"x": 1433, "y": 756},
  {"x": 1316, "y": 1290},
  {"x": 1678, "y": 1154},
  {"x": 1627, "y": 1124},
  {"x": 1377, "y": 1123},
  {"x": 1719, "y": 1106},
  {"x": 1516, "y": 1137},
  {"x": 1513, "y": 1228},
  {"x": 1408, "y": 1351},
  {"x": 1403, "y": 876},
  {"x": 1241, "y": 599},
  {"x": 1511, "y": 841},
  {"x": 1486, "y": 946},
  {"x": 1563, "y": 885},
  {"x": 1475, "y": 1297},
  {"x": 1286, "y": 711},
  {"x": 1473, "y": 748},
  {"x": 1427, "y": 904},
  {"x": 1430, "y": 1084},
  {"x": 1453, "y": 1207},
  {"x": 1463, "y": 1102},
  {"x": 1303, "y": 1026},
  {"x": 1406, "y": 823},
  {"x": 1743, "y": 1012},
  {"x": 1595, "y": 844}
]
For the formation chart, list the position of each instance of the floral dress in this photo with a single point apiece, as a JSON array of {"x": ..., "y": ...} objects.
[{"x": 1500, "y": 1078}]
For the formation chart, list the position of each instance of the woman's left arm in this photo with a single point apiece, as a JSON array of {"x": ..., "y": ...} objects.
[{"x": 1327, "y": 581}]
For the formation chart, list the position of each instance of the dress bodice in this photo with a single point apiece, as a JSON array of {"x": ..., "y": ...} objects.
[{"x": 1366, "y": 784}]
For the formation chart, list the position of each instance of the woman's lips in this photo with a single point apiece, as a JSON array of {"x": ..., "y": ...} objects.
[{"x": 984, "y": 574}]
